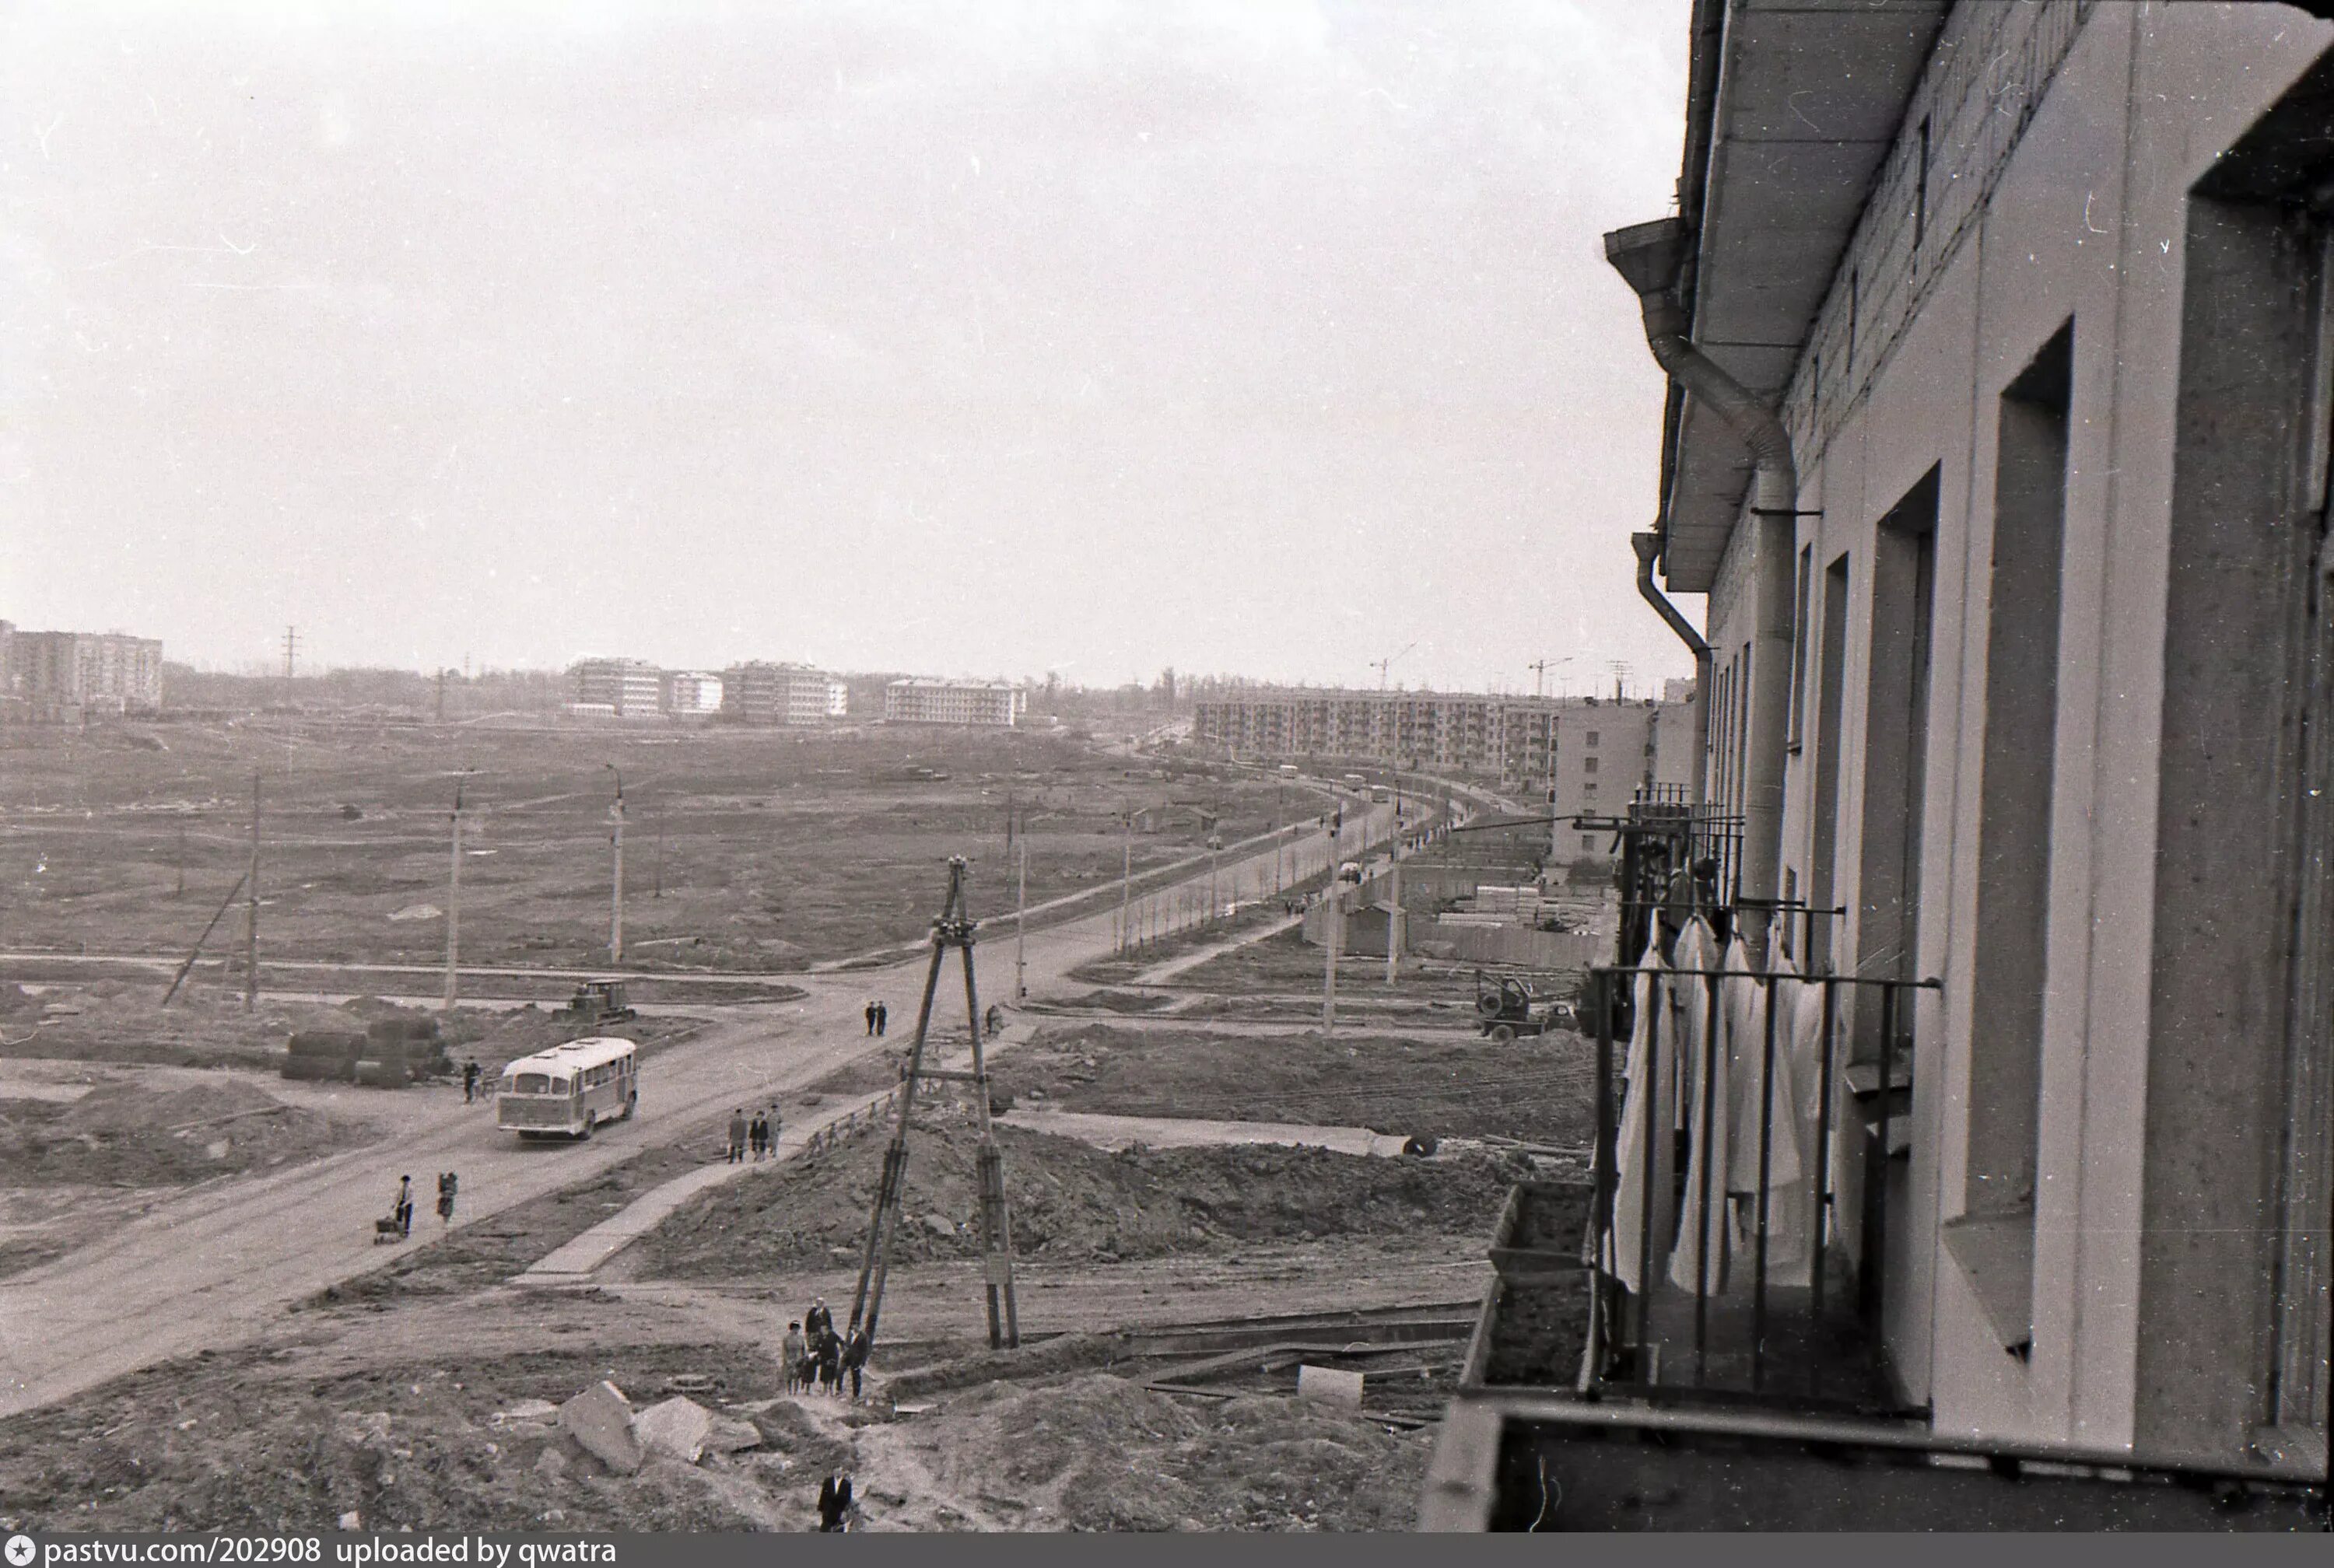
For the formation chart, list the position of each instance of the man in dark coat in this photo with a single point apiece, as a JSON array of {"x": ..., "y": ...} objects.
[
  {"x": 470, "y": 1081},
  {"x": 737, "y": 1135},
  {"x": 830, "y": 1511},
  {"x": 855, "y": 1349},
  {"x": 882, "y": 1019},
  {"x": 868, "y": 1011}
]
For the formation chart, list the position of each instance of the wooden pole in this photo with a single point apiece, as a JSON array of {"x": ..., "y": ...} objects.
[
  {"x": 251, "y": 908},
  {"x": 454, "y": 906},
  {"x": 218, "y": 915}
]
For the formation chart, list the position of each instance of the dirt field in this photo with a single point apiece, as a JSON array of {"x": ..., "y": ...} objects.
[
  {"x": 748, "y": 849},
  {"x": 1069, "y": 1201},
  {"x": 116, "y": 1021},
  {"x": 1533, "y": 1088}
]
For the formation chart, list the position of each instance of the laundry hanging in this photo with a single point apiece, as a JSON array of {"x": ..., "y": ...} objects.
[{"x": 1645, "y": 1064}]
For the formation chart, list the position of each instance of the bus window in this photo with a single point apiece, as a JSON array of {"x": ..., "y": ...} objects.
[{"x": 532, "y": 1083}]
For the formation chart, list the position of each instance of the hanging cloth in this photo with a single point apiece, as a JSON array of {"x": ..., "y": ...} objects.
[
  {"x": 1704, "y": 1074},
  {"x": 1621, "y": 1246}
]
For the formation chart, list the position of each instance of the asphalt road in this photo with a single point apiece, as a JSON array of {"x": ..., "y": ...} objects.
[{"x": 206, "y": 1269}]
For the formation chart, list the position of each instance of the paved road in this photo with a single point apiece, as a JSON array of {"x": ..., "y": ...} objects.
[{"x": 207, "y": 1268}]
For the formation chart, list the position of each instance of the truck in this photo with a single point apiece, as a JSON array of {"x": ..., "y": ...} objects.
[
  {"x": 1507, "y": 1007},
  {"x": 597, "y": 1002}
]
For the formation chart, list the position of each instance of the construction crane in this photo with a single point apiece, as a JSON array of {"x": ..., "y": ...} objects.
[
  {"x": 1382, "y": 664},
  {"x": 1539, "y": 668}
]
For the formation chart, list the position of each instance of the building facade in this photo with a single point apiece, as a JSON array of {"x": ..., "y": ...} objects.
[
  {"x": 59, "y": 674},
  {"x": 1583, "y": 755},
  {"x": 789, "y": 694},
  {"x": 921, "y": 699},
  {"x": 692, "y": 693},
  {"x": 628, "y": 687},
  {"x": 2021, "y": 653}
]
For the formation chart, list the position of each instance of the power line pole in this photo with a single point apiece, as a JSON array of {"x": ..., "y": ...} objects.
[
  {"x": 616, "y": 889},
  {"x": 251, "y": 908},
  {"x": 1127, "y": 881},
  {"x": 1021, "y": 920},
  {"x": 1397, "y": 920},
  {"x": 454, "y": 899}
]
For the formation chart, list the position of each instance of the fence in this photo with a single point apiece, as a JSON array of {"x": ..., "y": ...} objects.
[{"x": 1749, "y": 1132}]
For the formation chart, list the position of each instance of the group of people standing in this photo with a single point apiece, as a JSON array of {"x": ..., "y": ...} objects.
[
  {"x": 878, "y": 1017},
  {"x": 760, "y": 1135},
  {"x": 818, "y": 1357},
  {"x": 401, "y": 1211}
]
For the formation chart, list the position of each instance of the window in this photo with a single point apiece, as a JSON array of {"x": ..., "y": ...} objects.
[
  {"x": 1587, "y": 764},
  {"x": 1588, "y": 842},
  {"x": 531, "y": 1083},
  {"x": 1799, "y": 645},
  {"x": 1592, "y": 738}
]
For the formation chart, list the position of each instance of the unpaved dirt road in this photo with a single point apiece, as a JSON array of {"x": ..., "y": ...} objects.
[{"x": 207, "y": 1268}]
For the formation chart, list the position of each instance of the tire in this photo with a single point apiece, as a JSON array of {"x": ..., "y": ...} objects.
[
  {"x": 585, "y": 1136},
  {"x": 1503, "y": 1033}
]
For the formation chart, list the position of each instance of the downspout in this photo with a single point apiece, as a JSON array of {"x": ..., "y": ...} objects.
[
  {"x": 1648, "y": 547},
  {"x": 1649, "y": 256}
]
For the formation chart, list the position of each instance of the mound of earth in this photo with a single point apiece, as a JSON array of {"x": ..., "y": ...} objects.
[
  {"x": 1098, "y": 1452},
  {"x": 1069, "y": 1199},
  {"x": 136, "y": 1135}
]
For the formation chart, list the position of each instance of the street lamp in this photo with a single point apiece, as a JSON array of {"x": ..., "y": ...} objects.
[{"x": 616, "y": 891}]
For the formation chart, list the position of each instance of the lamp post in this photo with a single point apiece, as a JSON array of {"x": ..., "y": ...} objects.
[{"x": 616, "y": 891}]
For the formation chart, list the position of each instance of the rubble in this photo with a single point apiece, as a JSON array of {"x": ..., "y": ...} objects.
[
  {"x": 678, "y": 1426},
  {"x": 600, "y": 1419}
]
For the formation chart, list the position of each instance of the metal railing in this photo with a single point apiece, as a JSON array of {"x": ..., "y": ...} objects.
[{"x": 1691, "y": 1327}]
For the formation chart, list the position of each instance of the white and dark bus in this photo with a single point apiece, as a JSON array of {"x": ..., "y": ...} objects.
[{"x": 569, "y": 1088}]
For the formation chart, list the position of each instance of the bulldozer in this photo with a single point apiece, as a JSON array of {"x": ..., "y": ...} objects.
[
  {"x": 597, "y": 1002},
  {"x": 1506, "y": 1008}
]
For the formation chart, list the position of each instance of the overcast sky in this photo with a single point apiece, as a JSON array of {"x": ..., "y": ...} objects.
[{"x": 1239, "y": 336}]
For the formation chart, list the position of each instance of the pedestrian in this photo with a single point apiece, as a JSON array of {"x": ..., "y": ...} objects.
[
  {"x": 870, "y": 1012},
  {"x": 855, "y": 1350},
  {"x": 737, "y": 1135},
  {"x": 404, "y": 1210},
  {"x": 761, "y": 1134},
  {"x": 843, "y": 1503},
  {"x": 470, "y": 1081},
  {"x": 793, "y": 1350},
  {"x": 448, "y": 1182},
  {"x": 882, "y": 1019},
  {"x": 818, "y": 1321},
  {"x": 770, "y": 1132},
  {"x": 830, "y": 1362},
  {"x": 829, "y": 1513}
]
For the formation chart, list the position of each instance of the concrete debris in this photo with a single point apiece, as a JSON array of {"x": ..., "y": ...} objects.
[
  {"x": 940, "y": 1224},
  {"x": 731, "y": 1435},
  {"x": 350, "y": 1521},
  {"x": 678, "y": 1427},
  {"x": 360, "y": 1429},
  {"x": 526, "y": 1411},
  {"x": 1329, "y": 1386},
  {"x": 600, "y": 1419}
]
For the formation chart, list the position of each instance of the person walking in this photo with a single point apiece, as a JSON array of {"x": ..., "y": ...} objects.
[
  {"x": 448, "y": 1182},
  {"x": 830, "y": 1362},
  {"x": 830, "y": 1513},
  {"x": 793, "y": 1351},
  {"x": 818, "y": 1321},
  {"x": 869, "y": 1011},
  {"x": 737, "y": 1135},
  {"x": 882, "y": 1019},
  {"x": 842, "y": 1504},
  {"x": 770, "y": 1122},
  {"x": 470, "y": 1081},
  {"x": 404, "y": 1210},
  {"x": 761, "y": 1134},
  {"x": 855, "y": 1350}
]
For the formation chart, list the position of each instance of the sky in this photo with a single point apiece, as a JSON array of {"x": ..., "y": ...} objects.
[{"x": 1257, "y": 337}]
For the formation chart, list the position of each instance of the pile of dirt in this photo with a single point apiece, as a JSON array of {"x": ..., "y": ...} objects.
[
  {"x": 1539, "y": 1089},
  {"x": 1098, "y": 1452},
  {"x": 226, "y": 1442},
  {"x": 1069, "y": 1199},
  {"x": 116, "y": 1021},
  {"x": 136, "y": 1135}
]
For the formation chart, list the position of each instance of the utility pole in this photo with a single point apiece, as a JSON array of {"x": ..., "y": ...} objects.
[
  {"x": 251, "y": 908},
  {"x": 291, "y": 648},
  {"x": 454, "y": 897},
  {"x": 1397, "y": 920},
  {"x": 441, "y": 694},
  {"x": 182, "y": 860},
  {"x": 660, "y": 854},
  {"x": 1021, "y": 920},
  {"x": 616, "y": 894},
  {"x": 1127, "y": 881},
  {"x": 1334, "y": 914}
]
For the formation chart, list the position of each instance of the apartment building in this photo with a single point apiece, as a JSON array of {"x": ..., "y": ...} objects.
[
  {"x": 63, "y": 673},
  {"x": 790, "y": 694},
  {"x": 1591, "y": 753},
  {"x": 1999, "y": 337},
  {"x": 627, "y": 687},
  {"x": 692, "y": 693},
  {"x": 922, "y": 699}
]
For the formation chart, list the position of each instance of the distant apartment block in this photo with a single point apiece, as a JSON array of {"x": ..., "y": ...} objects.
[
  {"x": 627, "y": 687},
  {"x": 787, "y": 694},
  {"x": 922, "y": 699},
  {"x": 692, "y": 693},
  {"x": 1591, "y": 753},
  {"x": 61, "y": 674}
]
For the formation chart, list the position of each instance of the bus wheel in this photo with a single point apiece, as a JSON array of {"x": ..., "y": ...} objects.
[{"x": 585, "y": 1136}]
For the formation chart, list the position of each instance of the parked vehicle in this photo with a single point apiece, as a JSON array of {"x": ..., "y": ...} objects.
[
  {"x": 1507, "y": 1007},
  {"x": 569, "y": 1089},
  {"x": 598, "y": 1002}
]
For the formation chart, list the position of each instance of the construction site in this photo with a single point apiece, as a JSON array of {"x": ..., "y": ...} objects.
[{"x": 1199, "y": 1241}]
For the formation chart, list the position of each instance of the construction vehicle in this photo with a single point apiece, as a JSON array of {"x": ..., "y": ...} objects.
[
  {"x": 597, "y": 1002},
  {"x": 1507, "y": 1008}
]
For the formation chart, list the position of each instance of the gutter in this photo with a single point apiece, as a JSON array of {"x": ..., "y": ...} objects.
[{"x": 1648, "y": 546}]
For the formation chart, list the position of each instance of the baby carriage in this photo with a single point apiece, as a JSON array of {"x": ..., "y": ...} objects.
[{"x": 388, "y": 1229}]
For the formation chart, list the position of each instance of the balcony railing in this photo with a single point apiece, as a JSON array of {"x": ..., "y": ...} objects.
[{"x": 1741, "y": 1216}]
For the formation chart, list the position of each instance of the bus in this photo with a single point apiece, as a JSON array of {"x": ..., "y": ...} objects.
[{"x": 569, "y": 1089}]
